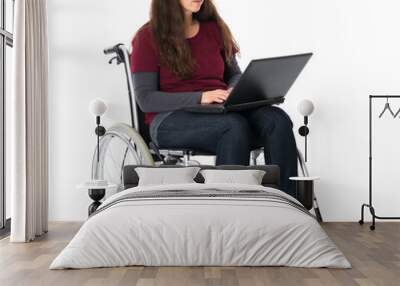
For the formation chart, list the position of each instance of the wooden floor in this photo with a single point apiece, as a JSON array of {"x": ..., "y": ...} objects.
[{"x": 375, "y": 257}]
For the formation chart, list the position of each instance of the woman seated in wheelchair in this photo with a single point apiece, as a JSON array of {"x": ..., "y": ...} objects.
[{"x": 186, "y": 55}]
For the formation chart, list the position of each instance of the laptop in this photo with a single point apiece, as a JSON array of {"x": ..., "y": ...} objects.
[{"x": 264, "y": 82}]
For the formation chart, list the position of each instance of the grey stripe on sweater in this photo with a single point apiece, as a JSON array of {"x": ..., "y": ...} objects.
[
  {"x": 151, "y": 99},
  {"x": 232, "y": 73}
]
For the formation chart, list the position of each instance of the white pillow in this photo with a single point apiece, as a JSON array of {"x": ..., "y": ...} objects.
[
  {"x": 247, "y": 177},
  {"x": 166, "y": 176}
]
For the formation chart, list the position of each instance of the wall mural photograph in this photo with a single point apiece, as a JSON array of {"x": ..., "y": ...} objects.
[{"x": 199, "y": 142}]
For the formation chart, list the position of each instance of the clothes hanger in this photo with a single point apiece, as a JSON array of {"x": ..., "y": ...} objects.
[
  {"x": 397, "y": 113},
  {"x": 387, "y": 107}
]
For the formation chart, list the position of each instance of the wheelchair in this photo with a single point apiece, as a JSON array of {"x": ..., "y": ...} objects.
[{"x": 124, "y": 144}]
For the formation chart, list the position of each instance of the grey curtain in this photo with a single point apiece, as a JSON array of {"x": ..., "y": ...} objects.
[{"x": 28, "y": 117}]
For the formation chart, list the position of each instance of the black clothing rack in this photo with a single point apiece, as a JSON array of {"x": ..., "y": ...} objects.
[{"x": 370, "y": 204}]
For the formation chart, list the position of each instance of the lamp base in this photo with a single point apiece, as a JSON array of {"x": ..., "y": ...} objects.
[
  {"x": 304, "y": 131},
  {"x": 100, "y": 130}
]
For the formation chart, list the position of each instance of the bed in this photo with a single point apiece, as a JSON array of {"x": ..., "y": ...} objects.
[{"x": 198, "y": 224}]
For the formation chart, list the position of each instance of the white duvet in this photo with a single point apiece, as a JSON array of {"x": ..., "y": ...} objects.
[{"x": 200, "y": 232}]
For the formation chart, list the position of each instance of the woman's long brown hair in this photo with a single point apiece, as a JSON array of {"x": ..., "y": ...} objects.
[{"x": 167, "y": 24}]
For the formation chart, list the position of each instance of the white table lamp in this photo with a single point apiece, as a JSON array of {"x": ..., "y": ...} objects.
[
  {"x": 305, "y": 108},
  {"x": 98, "y": 107}
]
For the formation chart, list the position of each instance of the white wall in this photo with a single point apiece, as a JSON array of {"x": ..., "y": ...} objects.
[{"x": 356, "y": 46}]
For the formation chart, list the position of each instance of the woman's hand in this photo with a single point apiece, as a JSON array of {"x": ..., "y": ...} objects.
[{"x": 214, "y": 96}]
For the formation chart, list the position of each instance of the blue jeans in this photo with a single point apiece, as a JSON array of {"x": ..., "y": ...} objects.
[{"x": 232, "y": 136}]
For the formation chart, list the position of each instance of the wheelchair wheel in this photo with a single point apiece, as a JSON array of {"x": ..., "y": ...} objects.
[{"x": 120, "y": 146}]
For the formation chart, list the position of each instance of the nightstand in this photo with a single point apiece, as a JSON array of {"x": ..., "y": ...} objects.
[
  {"x": 96, "y": 193},
  {"x": 305, "y": 193}
]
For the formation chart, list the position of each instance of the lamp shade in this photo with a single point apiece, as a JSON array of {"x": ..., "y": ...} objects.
[
  {"x": 97, "y": 107},
  {"x": 305, "y": 107}
]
